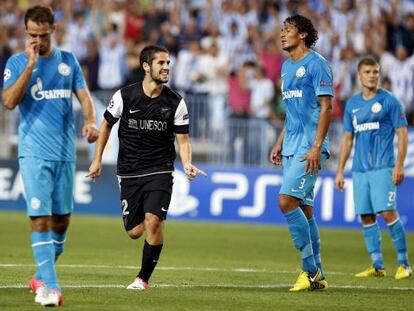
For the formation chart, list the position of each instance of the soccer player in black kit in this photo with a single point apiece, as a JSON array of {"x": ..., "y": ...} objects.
[{"x": 151, "y": 116}]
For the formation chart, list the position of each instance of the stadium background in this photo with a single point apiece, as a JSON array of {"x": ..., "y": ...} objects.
[{"x": 226, "y": 62}]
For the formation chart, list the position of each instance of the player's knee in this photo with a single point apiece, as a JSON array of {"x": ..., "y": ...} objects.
[
  {"x": 287, "y": 203},
  {"x": 136, "y": 233},
  {"x": 368, "y": 219},
  {"x": 389, "y": 216},
  {"x": 153, "y": 224}
]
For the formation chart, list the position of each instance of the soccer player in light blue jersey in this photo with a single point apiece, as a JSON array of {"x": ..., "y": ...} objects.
[
  {"x": 41, "y": 81},
  {"x": 372, "y": 117},
  {"x": 302, "y": 146}
]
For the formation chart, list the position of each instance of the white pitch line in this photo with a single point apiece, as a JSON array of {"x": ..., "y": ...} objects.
[
  {"x": 241, "y": 270},
  {"x": 242, "y": 286}
]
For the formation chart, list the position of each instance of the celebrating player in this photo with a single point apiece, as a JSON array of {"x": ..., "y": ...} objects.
[{"x": 151, "y": 115}]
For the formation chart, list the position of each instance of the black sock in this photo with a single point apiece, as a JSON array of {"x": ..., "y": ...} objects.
[{"x": 150, "y": 255}]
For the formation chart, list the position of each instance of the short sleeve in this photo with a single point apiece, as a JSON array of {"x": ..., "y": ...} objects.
[
  {"x": 78, "y": 78},
  {"x": 397, "y": 114},
  {"x": 115, "y": 107},
  {"x": 322, "y": 79},
  {"x": 11, "y": 73},
  {"x": 181, "y": 119},
  {"x": 348, "y": 127}
]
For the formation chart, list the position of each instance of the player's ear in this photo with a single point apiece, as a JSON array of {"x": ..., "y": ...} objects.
[
  {"x": 53, "y": 28},
  {"x": 303, "y": 35},
  {"x": 146, "y": 67}
]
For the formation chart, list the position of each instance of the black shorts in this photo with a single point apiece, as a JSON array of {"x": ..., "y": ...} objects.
[{"x": 148, "y": 194}]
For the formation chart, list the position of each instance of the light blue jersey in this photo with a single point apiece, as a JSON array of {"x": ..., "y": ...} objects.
[
  {"x": 373, "y": 123},
  {"x": 302, "y": 82},
  {"x": 47, "y": 129}
]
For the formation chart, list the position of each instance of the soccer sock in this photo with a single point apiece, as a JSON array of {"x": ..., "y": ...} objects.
[
  {"x": 44, "y": 255},
  {"x": 399, "y": 240},
  {"x": 58, "y": 242},
  {"x": 150, "y": 256},
  {"x": 316, "y": 242},
  {"x": 299, "y": 230},
  {"x": 372, "y": 235}
]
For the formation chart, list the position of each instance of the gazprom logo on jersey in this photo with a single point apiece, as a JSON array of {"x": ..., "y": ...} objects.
[
  {"x": 38, "y": 93},
  {"x": 369, "y": 126},
  {"x": 292, "y": 94}
]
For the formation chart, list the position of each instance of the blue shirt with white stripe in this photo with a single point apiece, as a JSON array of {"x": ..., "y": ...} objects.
[
  {"x": 302, "y": 82},
  {"x": 47, "y": 129},
  {"x": 373, "y": 123}
]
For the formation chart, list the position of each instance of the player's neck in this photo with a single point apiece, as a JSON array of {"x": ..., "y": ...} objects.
[
  {"x": 298, "y": 53},
  {"x": 368, "y": 93},
  {"x": 151, "y": 88}
]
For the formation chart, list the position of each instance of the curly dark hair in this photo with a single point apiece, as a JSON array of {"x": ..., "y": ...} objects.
[{"x": 304, "y": 25}]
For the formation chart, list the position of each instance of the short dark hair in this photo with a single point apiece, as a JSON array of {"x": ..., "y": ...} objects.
[
  {"x": 148, "y": 53},
  {"x": 40, "y": 15},
  {"x": 368, "y": 60},
  {"x": 304, "y": 25}
]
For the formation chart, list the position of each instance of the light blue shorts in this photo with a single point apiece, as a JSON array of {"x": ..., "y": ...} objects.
[
  {"x": 48, "y": 186},
  {"x": 374, "y": 191},
  {"x": 295, "y": 182}
]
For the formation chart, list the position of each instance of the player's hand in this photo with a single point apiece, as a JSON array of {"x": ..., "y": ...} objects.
[
  {"x": 95, "y": 170},
  {"x": 91, "y": 132},
  {"x": 192, "y": 171},
  {"x": 339, "y": 181},
  {"x": 276, "y": 154},
  {"x": 313, "y": 160},
  {"x": 397, "y": 175},
  {"x": 32, "y": 52}
]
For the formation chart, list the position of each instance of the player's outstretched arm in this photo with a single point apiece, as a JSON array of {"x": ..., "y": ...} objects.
[
  {"x": 96, "y": 166},
  {"x": 276, "y": 153},
  {"x": 89, "y": 130},
  {"x": 402, "y": 142},
  {"x": 13, "y": 94},
  {"x": 346, "y": 147},
  {"x": 313, "y": 157},
  {"x": 184, "y": 146}
]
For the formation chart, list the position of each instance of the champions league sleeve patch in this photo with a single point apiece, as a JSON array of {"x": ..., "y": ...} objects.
[{"x": 7, "y": 74}]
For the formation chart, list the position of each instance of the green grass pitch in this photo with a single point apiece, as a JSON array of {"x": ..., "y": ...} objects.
[{"x": 203, "y": 266}]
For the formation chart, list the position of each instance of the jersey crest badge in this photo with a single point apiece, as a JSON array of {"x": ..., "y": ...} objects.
[
  {"x": 300, "y": 72},
  {"x": 377, "y": 107},
  {"x": 165, "y": 113},
  {"x": 64, "y": 69}
]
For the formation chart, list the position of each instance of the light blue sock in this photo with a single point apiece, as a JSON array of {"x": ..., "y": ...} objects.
[
  {"x": 399, "y": 240},
  {"x": 58, "y": 242},
  {"x": 299, "y": 231},
  {"x": 372, "y": 235},
  {"x": 44, "y": 255},
  {"x": 316, "y": 242}
]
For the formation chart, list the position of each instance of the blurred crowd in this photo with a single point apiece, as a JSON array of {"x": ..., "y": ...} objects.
[{"x": 226, "y": 50}]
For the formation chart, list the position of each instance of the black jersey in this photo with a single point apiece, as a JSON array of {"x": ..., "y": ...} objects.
[{"x": 147, "y": 129}]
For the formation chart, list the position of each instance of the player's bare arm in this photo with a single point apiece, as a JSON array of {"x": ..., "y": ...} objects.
[
  {"x": 346, "y": 147},
  {"x": 402, "y": 142},
  {"x": 89, "y": 130},
  {"x": 313, "y": 157},
  {"x": 184, "y": 146},
  {"x": 276, "y": 153},
  {"x": 13, "y": 95},
  {"x": 95, "y": 169}
]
